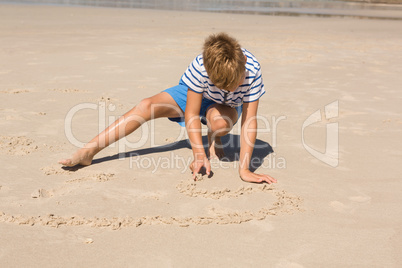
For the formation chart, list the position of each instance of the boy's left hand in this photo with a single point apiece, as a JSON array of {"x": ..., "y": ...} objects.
[{"x": 248, "y": 176}]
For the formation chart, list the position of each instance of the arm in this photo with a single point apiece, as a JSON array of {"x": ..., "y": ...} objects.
[
  {"x": 193, "y": 126},
  {"x": 247, "y": 141}
]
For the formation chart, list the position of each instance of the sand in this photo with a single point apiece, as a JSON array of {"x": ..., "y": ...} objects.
[{"x": 337, "y": 200}]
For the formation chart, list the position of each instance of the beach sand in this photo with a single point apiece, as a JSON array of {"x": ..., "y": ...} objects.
[{"x": 136, "y": 206}]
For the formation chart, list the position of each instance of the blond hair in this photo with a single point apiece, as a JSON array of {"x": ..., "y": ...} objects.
[{"x": 224, "y": 60}]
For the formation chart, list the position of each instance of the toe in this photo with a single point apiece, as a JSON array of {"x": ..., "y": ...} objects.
[{"x": 65, "y": 162}]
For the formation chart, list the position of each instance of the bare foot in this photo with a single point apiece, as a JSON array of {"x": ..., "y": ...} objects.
[
  {"x": 215, "y": 149},
  {"x": 81, "y": 157}
]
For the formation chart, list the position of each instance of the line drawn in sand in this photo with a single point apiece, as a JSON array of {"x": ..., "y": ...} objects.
[{"x": 284, "y": 203}]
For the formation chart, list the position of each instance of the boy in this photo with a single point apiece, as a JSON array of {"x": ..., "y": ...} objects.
[{"x": 220, "y": 84}]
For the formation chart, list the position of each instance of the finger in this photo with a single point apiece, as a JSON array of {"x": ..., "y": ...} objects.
[
  {"x": 258, "y": 178},
  {"x": 208, "y": 167},
  {"x": 269, "y": 179},
  {"x": 192, "y": 166},
  {"x": 196, "y": 171},
  {"x": 266, "y": 178},
  {"x": 254, "y": 178}
]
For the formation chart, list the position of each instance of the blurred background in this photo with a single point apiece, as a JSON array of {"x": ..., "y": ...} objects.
[{"x": 384, "y": 9}]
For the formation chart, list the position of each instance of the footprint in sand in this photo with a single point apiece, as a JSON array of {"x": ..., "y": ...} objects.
[
  {"x": 4, "y": 189},
  {"x": 54, "y": 148},
  {"x": 356, "y": 201},
  {"x": 170, "y": 140},
  {"x": 360, "y": 199},
  {"x": 42, "y": 193},
  {"x": 63, "y": 190},
  {"x": 56, "y": 170},
  {"x": 49, "y": 193},
  {"x": 17, "y": 145},
  {"x": 152, "y": 195},
  {"x": 15, "y": 91},
  {"x": 68, "y": 188},
  {"x": 69, "y": 90},
  {"x": 341, "y": 207},
  {"x": 98, "y": 177},
  {"x": 107, "y": 103}
]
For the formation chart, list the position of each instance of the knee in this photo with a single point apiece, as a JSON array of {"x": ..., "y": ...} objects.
[
  {"x": 145, "y": 106},
  {"x": 220, "y": 127}
]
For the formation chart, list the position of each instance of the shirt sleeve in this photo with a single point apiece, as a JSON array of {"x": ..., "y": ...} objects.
[
  {"x": 193, "y": 77},
  {"x": 256, "y": 89}
]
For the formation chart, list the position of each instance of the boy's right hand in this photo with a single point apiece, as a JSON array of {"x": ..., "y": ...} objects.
[{"x": 198, "y": 163}]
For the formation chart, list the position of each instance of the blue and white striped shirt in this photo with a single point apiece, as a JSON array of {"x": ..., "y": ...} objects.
[{"x": 252, "y": 88}]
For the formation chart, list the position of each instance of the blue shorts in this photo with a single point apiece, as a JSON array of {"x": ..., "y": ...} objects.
[{"x": 179, "y": 94}]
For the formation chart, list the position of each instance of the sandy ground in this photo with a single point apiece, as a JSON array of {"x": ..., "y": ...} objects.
[{"x": 67, "y": 72}]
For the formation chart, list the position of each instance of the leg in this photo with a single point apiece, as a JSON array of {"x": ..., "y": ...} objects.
[
  {"x": 220, "y": 120},
  {"x": 159, "y": 105}
]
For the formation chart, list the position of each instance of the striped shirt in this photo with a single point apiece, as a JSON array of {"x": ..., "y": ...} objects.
[{"x": 252, "y": 88}]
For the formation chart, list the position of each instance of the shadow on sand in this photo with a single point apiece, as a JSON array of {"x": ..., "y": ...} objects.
[{"x": 231, "y": 146}]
